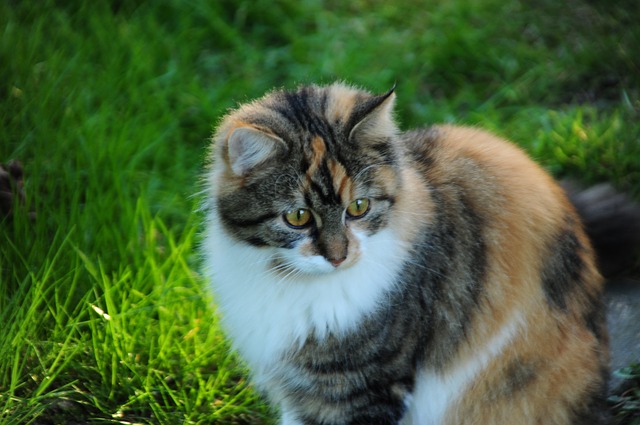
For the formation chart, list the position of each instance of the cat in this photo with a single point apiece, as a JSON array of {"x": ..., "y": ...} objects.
[{"x": 371, "y": 276}]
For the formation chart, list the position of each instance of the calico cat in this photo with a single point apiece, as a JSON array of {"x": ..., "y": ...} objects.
[{"x": 369, "y": 276}]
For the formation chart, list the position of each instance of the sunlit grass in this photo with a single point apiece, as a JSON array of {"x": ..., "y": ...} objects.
[{"x": 139, "y": 343}]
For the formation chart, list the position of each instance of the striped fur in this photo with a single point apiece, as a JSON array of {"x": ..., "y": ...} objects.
[{"x": 467, "y": 293}]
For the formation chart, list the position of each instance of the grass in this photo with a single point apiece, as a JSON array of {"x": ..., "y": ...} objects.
[
  {"x": 104, "y": 315},
  {"x": 626, "y": 401}
]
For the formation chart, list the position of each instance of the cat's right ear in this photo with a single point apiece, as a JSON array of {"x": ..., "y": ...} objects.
[
  {"x": 374, "y": 116},
  {"x": 249, "y": 147}
]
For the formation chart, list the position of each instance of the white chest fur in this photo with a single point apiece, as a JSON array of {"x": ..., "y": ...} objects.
[
  {"x": 265, "y": 315},
  {"x": 436, "y": 392}
]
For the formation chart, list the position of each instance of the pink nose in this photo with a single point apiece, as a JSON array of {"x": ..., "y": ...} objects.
[{"x": 336, "y": 261}]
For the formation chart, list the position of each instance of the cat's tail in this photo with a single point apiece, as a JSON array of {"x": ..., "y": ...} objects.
[{"x": 612, "y": 222}]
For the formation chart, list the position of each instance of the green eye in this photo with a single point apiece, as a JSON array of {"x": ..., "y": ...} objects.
[
  {"x": 298, "y": 217},
  {"x": 358, "y": 208}
]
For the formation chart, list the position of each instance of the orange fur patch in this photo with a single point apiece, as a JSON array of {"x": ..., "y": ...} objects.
[
  {"x": 318, "y": 151},
  {"x": 342, "y": 183},
  {"x": 341, "y": 102}
]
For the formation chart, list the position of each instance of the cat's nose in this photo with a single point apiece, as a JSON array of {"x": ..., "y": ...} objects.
[{"x": 335, "y": 262}]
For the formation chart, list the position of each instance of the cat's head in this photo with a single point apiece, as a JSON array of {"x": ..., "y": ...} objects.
[{"x": 308, "y": 174}]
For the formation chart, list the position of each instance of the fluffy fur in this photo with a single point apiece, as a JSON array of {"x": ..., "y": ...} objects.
[{"x": 466, "y": 293}]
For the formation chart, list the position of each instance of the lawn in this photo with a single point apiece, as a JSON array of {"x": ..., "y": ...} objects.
[{"x": 104, "y": 313}]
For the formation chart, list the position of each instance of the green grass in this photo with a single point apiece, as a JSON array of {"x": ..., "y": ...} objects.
[{"x": 104, "y": 315}]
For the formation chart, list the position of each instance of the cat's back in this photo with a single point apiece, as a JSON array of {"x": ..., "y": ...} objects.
[
  {"x": 532, "y": 233},
  {"x": 518, "y": 202},
  {"x": 480, "y": 161},
  {"x": 540, "y": 279}
]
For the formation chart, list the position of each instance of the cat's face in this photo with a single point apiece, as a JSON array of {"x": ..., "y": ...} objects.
[{"x": 309, "y": 175}]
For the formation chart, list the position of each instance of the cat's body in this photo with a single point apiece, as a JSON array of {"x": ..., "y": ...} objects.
[{"x": 371, "y": 277}]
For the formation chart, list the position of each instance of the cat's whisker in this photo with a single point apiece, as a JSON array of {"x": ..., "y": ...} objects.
[
  {"x": 283, "y": 269},
  {"x": 290, "y": 275}
]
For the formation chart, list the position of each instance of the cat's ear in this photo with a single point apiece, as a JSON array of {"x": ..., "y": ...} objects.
[
  {"x": 374, "y": 116},
  {"x": 249, "y": 147}
]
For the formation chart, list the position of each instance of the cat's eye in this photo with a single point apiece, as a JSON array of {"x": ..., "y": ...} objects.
[
  {"x": 358, "y": 208},
  {"x": 298, "y": 218}
]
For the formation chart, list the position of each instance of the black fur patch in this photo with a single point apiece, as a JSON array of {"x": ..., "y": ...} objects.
[
  {"x": 562, "y": 270},
  {"x": 518, "y": 376},
  {"x": 595, "y": 318}
]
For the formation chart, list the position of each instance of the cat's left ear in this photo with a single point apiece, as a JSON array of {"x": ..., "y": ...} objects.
[
  {"x": 249, "y": 147},
  {"x": 374, "y": 116}
]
